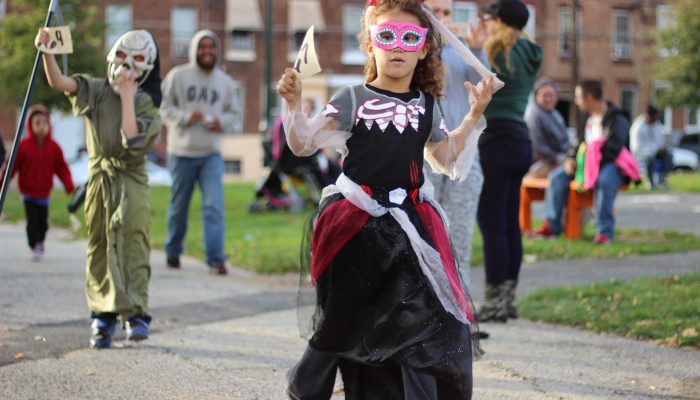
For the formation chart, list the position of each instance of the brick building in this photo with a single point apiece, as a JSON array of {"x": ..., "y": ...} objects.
[{"x": 614, "y": 45}]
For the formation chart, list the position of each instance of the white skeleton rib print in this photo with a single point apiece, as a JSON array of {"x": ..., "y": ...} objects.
[{"x": 384, "y": 113}]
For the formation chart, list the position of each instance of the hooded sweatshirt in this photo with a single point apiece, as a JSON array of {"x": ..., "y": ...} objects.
[
  {"x": 510, "y": 101},
  {"x": 37, "y": 163},
  {"x": 188, "y": 88}
]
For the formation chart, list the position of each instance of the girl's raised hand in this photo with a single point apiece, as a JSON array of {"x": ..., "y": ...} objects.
[
  {"x": 289, "y": 87},
  {"x": 480, "y": 95},
  {"x": 42, "y": 37}
]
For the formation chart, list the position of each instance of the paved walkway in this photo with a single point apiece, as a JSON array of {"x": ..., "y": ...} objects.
[{"x": 235, "y": 337}]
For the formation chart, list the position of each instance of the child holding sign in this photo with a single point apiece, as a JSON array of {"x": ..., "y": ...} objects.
[
  {"x": 122, "y": 122},
  {"x": 390, "y": 310}
]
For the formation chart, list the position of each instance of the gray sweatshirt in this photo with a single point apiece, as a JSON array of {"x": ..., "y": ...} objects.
[
  {"x": 547, "y": 132},
  {"x": 187, "y": 88},
  {"x": 455, "y": 105}
]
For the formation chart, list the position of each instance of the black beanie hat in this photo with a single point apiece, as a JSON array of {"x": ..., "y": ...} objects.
[{"x": 511, "y": 12}]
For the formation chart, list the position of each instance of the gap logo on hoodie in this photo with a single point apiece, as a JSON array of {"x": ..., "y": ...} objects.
[{"x": 206, "y": 95}]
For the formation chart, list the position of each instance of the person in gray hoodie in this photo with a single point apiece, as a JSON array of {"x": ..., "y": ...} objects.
[
  {"x": 550, "y": 141},
  {"x": 199, "y": 104}
]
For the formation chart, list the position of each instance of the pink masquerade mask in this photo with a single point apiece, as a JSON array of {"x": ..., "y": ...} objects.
[{"x": 404, "y": 35}]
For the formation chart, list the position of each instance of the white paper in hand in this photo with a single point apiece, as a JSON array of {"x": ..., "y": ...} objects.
[
  {"x": 60, "y": 41},
  {"x": 306, "y": 64}
]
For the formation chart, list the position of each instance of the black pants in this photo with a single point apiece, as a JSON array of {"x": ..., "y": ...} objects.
[
  {"x": 37, "y": 222},
  {"x": 505, "y": 161}
]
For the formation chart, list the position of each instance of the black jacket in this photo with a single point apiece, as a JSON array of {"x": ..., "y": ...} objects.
[{"x": 616, "y": 128}]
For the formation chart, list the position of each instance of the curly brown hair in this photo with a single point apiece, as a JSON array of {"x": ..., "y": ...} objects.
[{"x": 429, "y": 71}]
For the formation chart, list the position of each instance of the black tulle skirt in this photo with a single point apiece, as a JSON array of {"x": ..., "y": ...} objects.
[{"x": 374, "y": 314}]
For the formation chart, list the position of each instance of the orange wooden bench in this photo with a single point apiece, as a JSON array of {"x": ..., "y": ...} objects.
[{"x": 532, "y": 189}]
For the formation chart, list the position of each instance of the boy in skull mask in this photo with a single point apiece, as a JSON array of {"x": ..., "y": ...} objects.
[{"x": 122, "y": 122}]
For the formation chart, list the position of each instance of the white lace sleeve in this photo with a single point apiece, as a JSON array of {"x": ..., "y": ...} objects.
[
  {"x": 455, "y": 154},
  {"x": 331, "y": 128}
]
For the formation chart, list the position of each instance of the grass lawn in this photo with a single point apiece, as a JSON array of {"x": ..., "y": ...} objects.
[
  {"x": 680, "y": 181},
  {"x": 666, "y": 310},
  {"x": 269, "y": 242}
]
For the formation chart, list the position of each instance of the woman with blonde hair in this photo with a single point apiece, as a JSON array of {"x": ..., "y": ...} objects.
[{"x": 506, "y": 153}]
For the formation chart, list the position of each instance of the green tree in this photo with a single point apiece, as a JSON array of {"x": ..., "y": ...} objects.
[
  {"x": 682, "y": 67},
  {"x": 17, "y": 51}
]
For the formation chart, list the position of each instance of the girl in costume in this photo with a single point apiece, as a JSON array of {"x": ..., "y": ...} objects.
[
  {"x": 122, "y": 122},
  {"x": 388, "y": 308}
]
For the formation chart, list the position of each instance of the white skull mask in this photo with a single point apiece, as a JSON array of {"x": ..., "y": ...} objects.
[{"x": 135, "y": 51}]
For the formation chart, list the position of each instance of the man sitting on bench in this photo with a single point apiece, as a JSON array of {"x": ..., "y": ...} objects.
[{"x": 603, "y": 120}]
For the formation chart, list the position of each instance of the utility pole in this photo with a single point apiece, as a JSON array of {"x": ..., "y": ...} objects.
[
  {"x": 575, "y": 6},
  {"x": 267, "y": 74}
]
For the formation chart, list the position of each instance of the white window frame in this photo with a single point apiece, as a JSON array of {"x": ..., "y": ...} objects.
[
  {"x": 240, "y": 54},
  {"x": 180, "y": 38},
  {"x": 564, "y": 35},
  {"x": 622, "y": 51},
  {"x": 352, "y": 55},
  {"x": 686, "y": 119},
  {"x": 629, "y": 88},
  {"x": 112, "y": 30},
  {"x": 470, "y": 7}
]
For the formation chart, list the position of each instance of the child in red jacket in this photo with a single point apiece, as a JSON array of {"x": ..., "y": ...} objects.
[{"x": 39, "y": 157}]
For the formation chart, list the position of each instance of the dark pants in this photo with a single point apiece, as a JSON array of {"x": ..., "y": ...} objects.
[
  {"x": 37, "y": 222},
  {"x": 504, "y": 160}
]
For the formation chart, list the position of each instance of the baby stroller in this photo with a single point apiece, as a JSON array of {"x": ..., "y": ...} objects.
[{"x": 290, "y": 175}]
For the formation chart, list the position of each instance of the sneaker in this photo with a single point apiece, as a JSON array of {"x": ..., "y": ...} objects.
[
  {"x": 35, "y": 254},
  {"x": 102, "y": 331},
  {"x": 543, "y": 233},
  {"x": 601, "y": 239},
  {"x": 217, "y": 268},
  {"x": 137, "y": 327},
  {"x": 173, "y": 262}
]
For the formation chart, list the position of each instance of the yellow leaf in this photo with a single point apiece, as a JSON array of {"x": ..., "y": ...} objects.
[
  {"x": 689, "y": 332},
  {"x": 19, "y": 356}
]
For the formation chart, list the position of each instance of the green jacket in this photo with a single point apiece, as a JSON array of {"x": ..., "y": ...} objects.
[{"x": 510, "y": 101}]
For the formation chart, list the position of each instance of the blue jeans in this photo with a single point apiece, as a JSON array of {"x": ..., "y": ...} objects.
[
  {"x": 208, "y": 173},
  {"x": 605, "y": 191}
]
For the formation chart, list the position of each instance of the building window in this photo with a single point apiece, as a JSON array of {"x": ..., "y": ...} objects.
[
  {"x": 565, "y": 29},
  {"x": 622, "y": 35},
  {"x": 692, "y": 116},
  {"x": 183, "y": 25},
  {"x": 352, "y": 55},
  {"x": 295, "y": 41},
  {"x": 627, "y": 99},
  {"x": 465, "y": 12},
  {"x": 530, "y": 26},
  {"x": 241, "y": 45},
  {"x": 232, "y": 167},
  {"x": 665, "y": 19},
  {"x": 3, "y": 8},
  {"x": 118, "y": 18}
]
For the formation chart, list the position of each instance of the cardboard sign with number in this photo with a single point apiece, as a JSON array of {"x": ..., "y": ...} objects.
[
  {"x": 306, "y": 64},
  {"x": 60, "y": 41}
]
